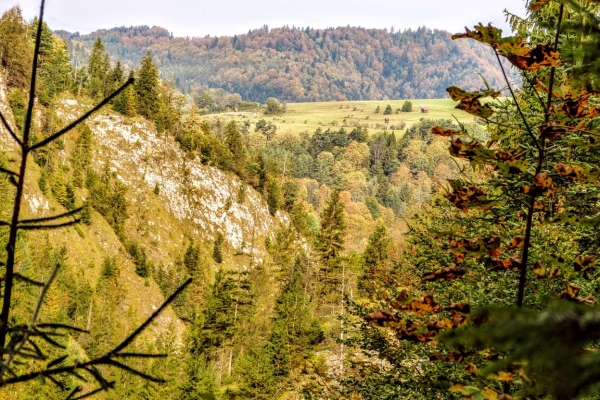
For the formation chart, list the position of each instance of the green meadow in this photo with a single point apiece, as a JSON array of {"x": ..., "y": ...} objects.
[{"x": 301, "y": 117}]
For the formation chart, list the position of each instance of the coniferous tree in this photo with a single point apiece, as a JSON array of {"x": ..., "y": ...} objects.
[
  {"x": 59, "y": 187},
  {"x": 375, "y": 259},
  {"x": 98, "y": 69},
  {"x": 15, "y": 48},
  {"x": 217, "y": 254},
  {"x": 235, "y": 143},
  {"x": 147, "y": 88},
  {"x": 330, "y": 242},
  {"x": 125, "y": 102},
  {"x": 116, "y": 77},
  {"x": 329, "y": 245},
  {"x": 82, "y": 155}
]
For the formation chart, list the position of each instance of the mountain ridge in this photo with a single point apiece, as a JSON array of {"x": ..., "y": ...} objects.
[{"x": 298, "y": 65}]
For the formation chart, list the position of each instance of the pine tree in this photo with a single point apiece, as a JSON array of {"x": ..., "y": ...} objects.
[
  {"x": 82, "y": 155},
  {"x": 375, "y": 258},
  {"x": 98, "y": 68},
  {"x": 146, "y": 88},
  {"x": 191, "y": 258},
  {"x": 115, "y": 78},
  {"x": 125, "y": 102},
  {"x": 330, "y": 242},
  {"x": 235, "y": 143},
  {"x": 59, "y": 188},
  {"x": 217, "y": 254},
  {"x": 15, "y": 48}
]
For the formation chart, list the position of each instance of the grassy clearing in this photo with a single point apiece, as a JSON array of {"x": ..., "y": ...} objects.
[{"x": 310, "y": 116}]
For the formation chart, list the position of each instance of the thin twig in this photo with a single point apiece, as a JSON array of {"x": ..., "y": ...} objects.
[
  {"x": 538, "y": 169},
  {"x": 45, "y": 219},
  {"x": 54, "y": 226},
  {"x": 512, "y": 93},
  {"x": 8, "y": 172},
  {"x": 9, "y": 129}
]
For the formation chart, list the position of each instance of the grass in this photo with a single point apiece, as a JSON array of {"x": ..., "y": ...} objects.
[{"x": 308, "y": 117}]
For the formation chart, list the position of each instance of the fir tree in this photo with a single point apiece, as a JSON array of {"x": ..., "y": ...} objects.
[
  {"x": 235, "y": 143},
  {"x": 98, "y": 68},
  {"x": 15, "y": 48},
  {"x": 146, "y": 88},
  {"x": 330, "y": 242},
  {"x": 375, "y": 258},
  {"x": 82, "y": 154},
  {"x": 59, "y": 188},
  {"x": 116, "y": 77},
  {"x": 125, "y": 102},
  {"x": 191, "y": 258},
  {"x": 217, "y": 254}
]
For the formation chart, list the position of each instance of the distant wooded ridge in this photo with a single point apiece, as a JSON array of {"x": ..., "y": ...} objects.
[{"x": 304, "y": 64}]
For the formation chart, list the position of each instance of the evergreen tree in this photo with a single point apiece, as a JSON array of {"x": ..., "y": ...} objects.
[
  {"x": 59, "y": 187},
  {"x": 375, "y": 259},
  {"x": 125, "y": 102},
  {"x": 116, "y": 77},
  {"x": 235, "y": 143},
  {"x": 388, "y": 110},
  {"x": 330, "y": 242},
  {"x": 191, "y": 258},
  {"x": 217, "y": 254},
  {"x": 274, "y": 199},
  {"x": 81, "y": 156},
  {"x": 15, "y": 48},
  {"x": 147, "y": 88},
  {"x": 407, "y": 106},
  {"x": 98, "y": 69}
]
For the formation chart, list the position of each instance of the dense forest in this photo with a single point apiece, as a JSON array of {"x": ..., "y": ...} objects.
[
  {"x": 154, "y": 251},
  {"x": 296, "y": 65}
]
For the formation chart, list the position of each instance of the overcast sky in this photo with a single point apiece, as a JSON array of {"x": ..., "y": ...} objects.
[{"x": 217, "y": 18}]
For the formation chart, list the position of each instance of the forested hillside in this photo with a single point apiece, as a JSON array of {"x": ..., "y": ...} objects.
[
  {"x": 295, "y": 65},
  {"x": 149, "y": 250}
]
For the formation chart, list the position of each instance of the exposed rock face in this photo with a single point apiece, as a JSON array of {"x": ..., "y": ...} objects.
[{"x": 202, "y": 195}]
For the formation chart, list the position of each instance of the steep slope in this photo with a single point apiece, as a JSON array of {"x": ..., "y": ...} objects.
[
  {"x": 296, "y": 65},
  {"x": 192, "y": 204}
]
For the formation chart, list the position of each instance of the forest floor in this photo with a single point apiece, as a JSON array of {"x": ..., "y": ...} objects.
[{"x": 301, "y": 117}]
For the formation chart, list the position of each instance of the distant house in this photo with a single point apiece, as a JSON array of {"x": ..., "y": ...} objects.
[{"x": 423, "y": 109}]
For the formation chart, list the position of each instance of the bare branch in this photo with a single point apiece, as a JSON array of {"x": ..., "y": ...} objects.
[
  {"x": 54, "y": 226},
  {"x": 8, "y": 172},
  {"x": 20, "y": 277},
  {"x": 143, "y": 326},
  {"x": 62, "y": 326},
  {"x": 135, "y": 371},
  {"x": 45, "y": 219},
  {"x": 8, "y": 128},
  {"x": 93, "y": 392},
  {"x": 82, "y": 118},
  {"x": 140, "y": 355}
]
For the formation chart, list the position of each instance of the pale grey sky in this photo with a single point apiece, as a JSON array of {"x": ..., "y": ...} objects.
[{"x": 217, "y": 18}]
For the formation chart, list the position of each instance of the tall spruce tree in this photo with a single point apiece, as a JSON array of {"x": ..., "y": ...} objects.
[
  {"x": 146, "y": 88},
  {"x": 330, "y": 242},
  {"x": 126, "y": 101},
  {"x": 235, "y": 143},
  {"x": 81, "y": 156},
  {"x": 98, "y": 69},
  {"x": 15, "y": 48}
]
